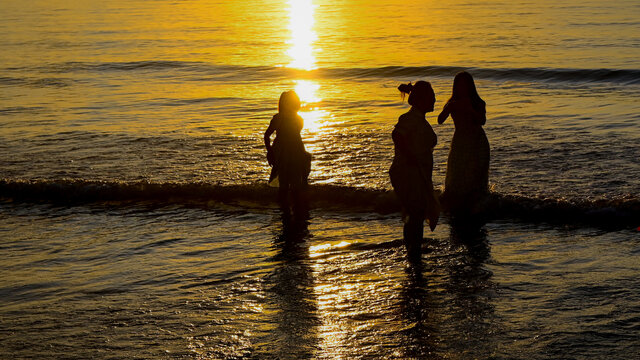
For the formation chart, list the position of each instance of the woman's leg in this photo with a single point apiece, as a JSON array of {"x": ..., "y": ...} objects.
[
  {"x": 300, "y": 201},
  {"x": 413, "y": 234},
  {"x": 283, "y": 195}
]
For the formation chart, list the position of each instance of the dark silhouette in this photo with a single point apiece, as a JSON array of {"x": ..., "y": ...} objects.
[
  {"x": 290, "y": 162},
  {"x": 467, "y": 180},
  {"x": 412, "y": 165}
]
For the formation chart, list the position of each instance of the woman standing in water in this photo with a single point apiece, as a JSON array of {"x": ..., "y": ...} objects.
[
  {"x": 412, "y": 165},
  {"x": 467, "y": 180},
  {"x": 290, "y": 162}
]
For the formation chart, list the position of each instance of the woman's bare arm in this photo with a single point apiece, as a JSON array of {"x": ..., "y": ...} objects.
[
  {"x": 267, "y": 135},
  {"x": 444, "y": 114},
  {"x": 482, "y": 117},
  {"x": 267, "y": 142}
]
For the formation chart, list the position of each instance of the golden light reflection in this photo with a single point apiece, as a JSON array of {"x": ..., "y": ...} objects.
[
  {"x": 313, "y": 120},
  {"x": 301, "y": 22},
  {"x": 307, "y": 91},
  {"x": 333, "y": 299},
  {"x": 313, "y": 117},
  {"x": 317, "y": 250}
]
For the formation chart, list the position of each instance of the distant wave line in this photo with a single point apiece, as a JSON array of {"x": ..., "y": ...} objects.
[
  {"x": 620, "y": 213},
  {"x": 205, "y": 71},
  {"x": 36, "y": 82}
]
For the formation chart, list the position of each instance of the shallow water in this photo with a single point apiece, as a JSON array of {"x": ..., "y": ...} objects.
[
  {"x": 135, "y": 221},
  {"x": 172, "y": 282}
]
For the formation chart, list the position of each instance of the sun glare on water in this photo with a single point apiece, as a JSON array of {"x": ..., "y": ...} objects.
[
  {"x": 307, "y": 91},
  {"x": 301, "y": 51},
  {"x": 301, "y": 21}
]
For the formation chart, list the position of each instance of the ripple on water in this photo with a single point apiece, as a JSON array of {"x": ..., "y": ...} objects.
[{"x": 224, "y": 284}]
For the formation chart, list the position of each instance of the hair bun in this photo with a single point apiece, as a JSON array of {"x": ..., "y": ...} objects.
[{"x": 405, "y": 88}]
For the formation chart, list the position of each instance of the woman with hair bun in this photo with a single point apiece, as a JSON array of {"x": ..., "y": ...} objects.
[
  {"x": 290, "y": 162},
  {"x": 412, "y": 165},
  {"x": 467, "y": 180}
]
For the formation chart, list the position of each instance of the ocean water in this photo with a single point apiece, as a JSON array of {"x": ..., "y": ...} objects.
[
  {"x": 216, "y": 283},
  {"x": 136, "y": 221}
]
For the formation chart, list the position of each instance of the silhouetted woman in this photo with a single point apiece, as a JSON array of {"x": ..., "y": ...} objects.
[
  {"x": 412, "y": 165},
  {"x": 467, "y": 180},
  {"x": 290, "y": 161}
]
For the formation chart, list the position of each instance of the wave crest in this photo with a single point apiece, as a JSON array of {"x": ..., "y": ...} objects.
[
  {"x": 204, "y": 71},
  {"x": 618, "y": 213}
]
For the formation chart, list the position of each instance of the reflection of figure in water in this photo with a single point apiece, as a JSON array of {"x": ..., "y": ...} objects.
[
  {"x": 412, "y": 165},
  {"x": 290, "y": 162},
  {"x": 418, "y": 304},
  {"x": 445, "y": 301},
  {"x": 470, "y": 283},
  {"x": 467, "y": 180},
  {"x": 291, "y": 288}
]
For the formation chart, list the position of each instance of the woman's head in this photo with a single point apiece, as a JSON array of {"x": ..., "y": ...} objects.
[
  {"x": 421, "y": 95},
  {"x": 289, "y": 102},
  {"x": 465, "y": 87}
]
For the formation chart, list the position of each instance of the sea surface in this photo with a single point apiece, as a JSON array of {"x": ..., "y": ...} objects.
[{"x": 135, "y": 219}]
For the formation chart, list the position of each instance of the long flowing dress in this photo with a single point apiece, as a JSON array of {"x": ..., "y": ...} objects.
[
  {"x": 292, "y": 163},
  {"x": 411, "y": 173},
  {"x": 467, "y": 179}
]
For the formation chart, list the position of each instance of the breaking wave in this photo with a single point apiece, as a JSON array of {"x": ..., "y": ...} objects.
[{"x": 619, "y": 213}]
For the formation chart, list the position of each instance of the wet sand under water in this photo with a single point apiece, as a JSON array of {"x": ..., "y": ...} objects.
[{"x": 224, "y": 283}]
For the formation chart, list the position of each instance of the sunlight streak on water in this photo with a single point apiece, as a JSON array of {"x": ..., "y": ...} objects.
[
  {"x": 307, "y": 91},
  {"x": 312, "y": 115},
  {"x": 301, "y": 15},
  {"x": 332, "y": 299},
  {"x": 302, "y": 35},
  {"x": 317, "y": 250},
  {"x": 83, "y": 281},
  {"x": 313, "y": 119},
  {"x": 168, "y": 101}
]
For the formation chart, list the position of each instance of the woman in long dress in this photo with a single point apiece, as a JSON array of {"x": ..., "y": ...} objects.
[
  {"x": 290, "y": 162},
  {"x": 412, "y": 165},
  {"x": 467, "y": 179}
]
